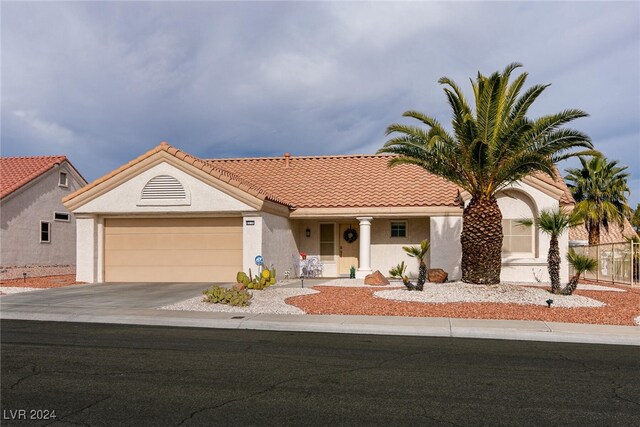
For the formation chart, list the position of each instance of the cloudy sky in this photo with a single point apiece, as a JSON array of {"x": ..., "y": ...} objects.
[{"x": 105, "y": 82}]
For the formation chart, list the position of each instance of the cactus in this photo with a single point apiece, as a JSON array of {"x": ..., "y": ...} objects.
[
  {"x": 273, "y": 274},
  {"x": 220, "y": 295},
  {"x": 240, "y": 277},
  {"x": 266, "y": 274}
]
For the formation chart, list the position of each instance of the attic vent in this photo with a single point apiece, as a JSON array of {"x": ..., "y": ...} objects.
[{"x": 163, "y": 187}]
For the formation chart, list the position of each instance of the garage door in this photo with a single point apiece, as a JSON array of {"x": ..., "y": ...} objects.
[{"x": 172, "y": 249}]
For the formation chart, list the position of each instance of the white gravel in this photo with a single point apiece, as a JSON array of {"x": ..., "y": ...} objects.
[
  {"x": 266, "y": 301},
  {"x": 580, "y": 286},
  {"x": 355, "y": 283},
  {"x": 502, "y": 293},
  {"x": 16, "y": 289}
]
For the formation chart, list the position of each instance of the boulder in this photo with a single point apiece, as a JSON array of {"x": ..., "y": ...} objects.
[
  {"x": 437, "y": 275},
  {"x": 375, "y": 279},
  {"x": 239, "y": 286}
]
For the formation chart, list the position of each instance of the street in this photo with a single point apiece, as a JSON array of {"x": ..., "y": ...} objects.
[{"x": 103, "y": 374}]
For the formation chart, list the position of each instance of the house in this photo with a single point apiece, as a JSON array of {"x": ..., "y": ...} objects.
[
  {"x": 168, "y": 216},
  {"x": 36, "y": 229},
  {"x": 578, "y": 236}
]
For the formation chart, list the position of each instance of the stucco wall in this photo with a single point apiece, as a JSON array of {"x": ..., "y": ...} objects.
[
  {"x": 387, "y": 252},
  {"x": 446, "y": 251},
  {"x": 125, "y": 198},
  {"x": 279, "y": 245},
  {"x": 86, "y": 247},
  {"x": 20, "y": 223}
]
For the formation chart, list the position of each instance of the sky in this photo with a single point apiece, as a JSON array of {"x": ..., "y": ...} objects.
[{"x": 103, "y": 82}]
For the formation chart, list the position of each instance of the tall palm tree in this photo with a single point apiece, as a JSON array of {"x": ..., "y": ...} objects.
[
  {"x": 553, "y": 222},
  {"x": 419, "y": 252},
  {"x": 491, "y": 147},
  {"x": 600, "y": 189}
]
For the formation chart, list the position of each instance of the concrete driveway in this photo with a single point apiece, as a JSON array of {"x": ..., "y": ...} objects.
[{"x": 118, "y": 296}]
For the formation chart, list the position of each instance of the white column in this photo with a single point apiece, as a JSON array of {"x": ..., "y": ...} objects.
[{"x": 364, "y": 259}]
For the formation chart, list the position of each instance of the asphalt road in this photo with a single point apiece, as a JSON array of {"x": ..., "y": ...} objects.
[{"x": 100, "y": 374}]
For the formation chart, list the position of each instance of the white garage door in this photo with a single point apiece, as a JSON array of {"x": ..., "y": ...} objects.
[{"x": 172, "y": 249}]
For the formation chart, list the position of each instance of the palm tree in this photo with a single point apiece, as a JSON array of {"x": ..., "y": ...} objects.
[
  {"x": 399, "y": 272},
  {"x": 419, "y": 252},
  {"x": 580, "y": 264},
  {"x": 600, "y": 189},
  {"x": 490, "y": 148},
  {"x": 553, "y": 222}
]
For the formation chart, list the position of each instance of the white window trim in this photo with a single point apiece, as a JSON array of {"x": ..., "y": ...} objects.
[
  {"x": 49, "y": 231},
  {"x": 62, "y": 213},
  {"x": 66, "y": 179},
  {"x": 406, "y": 229}
]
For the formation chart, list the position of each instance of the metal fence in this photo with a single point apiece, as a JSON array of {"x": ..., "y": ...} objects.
[{"x": 617, "y": 262}]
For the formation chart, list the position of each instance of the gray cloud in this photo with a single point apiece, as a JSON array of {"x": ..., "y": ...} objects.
[{"x": 104, "y": 82}]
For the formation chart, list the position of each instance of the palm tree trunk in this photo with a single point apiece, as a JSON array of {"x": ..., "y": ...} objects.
[
  {"x": 422, "y": 276},
  {"x": 553, "y": 261},
  {"x": 594, "y": 233},
  {"x": 481, "y": 241},
  {"x": 571, "y": 286}
]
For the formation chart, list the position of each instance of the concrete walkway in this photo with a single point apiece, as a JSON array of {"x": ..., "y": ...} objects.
[{"x": 135, "y": 304}]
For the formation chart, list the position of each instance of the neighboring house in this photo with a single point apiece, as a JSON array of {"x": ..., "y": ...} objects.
[
  {"x": 578, "y": 236},
  {"x": 169, "y": 216},
  {"x": 36, "y": 229}
]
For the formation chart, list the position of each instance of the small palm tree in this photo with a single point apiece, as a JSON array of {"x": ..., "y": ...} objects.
[
  {"x": 580, "y": 264},
  {"x": 419, "y": 252},
  {"x": 600, "y": 189},
  {"x": 399, "y": 272},
  {"x": 491, "y": 147},
  {"x": 553, "y": 222}
]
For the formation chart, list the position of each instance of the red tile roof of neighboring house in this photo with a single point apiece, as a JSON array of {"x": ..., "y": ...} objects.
[
  {"x": 614, "y": 235},
  {"x": 18, "y": 171}
]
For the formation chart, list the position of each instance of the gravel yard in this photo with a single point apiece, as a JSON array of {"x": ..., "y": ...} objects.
[
  {"x": 41, "y": 282},
  {"x": 596, "y": 304}
]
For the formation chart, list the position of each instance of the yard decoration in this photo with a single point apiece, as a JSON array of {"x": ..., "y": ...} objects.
[
  {"x": 580, "y": 264},
  {"x": 265, "y": 279},
  {"x": 350, "y": 235},
  {"x": 419, "y": 252},
  {"x": 493, "y": 145},
  {"x": 399, "y": 272}
]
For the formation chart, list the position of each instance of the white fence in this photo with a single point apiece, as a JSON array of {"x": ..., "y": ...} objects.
[{"x": 617, "y": 262}]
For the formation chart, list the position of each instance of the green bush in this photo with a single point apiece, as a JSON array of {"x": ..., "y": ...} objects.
[{"x": 220, "y": 295}]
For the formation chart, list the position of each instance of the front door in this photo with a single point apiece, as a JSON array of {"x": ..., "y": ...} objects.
[{"x": 347, "y": 251}]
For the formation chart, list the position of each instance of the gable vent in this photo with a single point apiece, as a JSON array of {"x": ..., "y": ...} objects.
[{"x": 163, "y": 187}]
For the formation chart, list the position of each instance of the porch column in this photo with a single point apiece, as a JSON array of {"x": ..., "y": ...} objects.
[{"x": 364, "y": 258}]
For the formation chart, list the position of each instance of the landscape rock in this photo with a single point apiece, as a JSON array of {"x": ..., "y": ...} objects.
[
  {"x": 239, "y": 286},
  {"x": 437, "y": 275},
  {"x": 375, "y": 279}
]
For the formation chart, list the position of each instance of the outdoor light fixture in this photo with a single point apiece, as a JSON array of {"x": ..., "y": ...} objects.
[
  {"x": 24, "y": 277},
  {"x": 549, "y": 302},
  {"x": 307, "y": 232}
]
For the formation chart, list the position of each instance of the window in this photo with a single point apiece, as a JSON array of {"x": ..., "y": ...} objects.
[
  {"x": 62, "y": 180},
  {"x": 327, "y": 242},
  {"x": 517, "y": 238},
  {"x": 45, "y": 232},
  {"x": 398, "y": 229},
  {"x": 61, "y": 216}
]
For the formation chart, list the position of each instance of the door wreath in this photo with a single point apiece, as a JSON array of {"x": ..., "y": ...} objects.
[{"x": 350, "y": 235}]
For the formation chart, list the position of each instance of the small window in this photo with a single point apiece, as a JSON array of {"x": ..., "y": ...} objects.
[
  {"x": 61, "y": 216},
  {"x": 62, "y": 181},
  {"x": 398, "y": 229},
  {"x": 516, "y": 238},
  {"x": 45, "y": 232}
]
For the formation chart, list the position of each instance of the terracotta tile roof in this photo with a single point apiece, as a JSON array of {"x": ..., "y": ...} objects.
[
  {"x": 614, "y": 235},
  {"x": 212, "y": 170},
  {"x": 558, "y": 182},
  {"x": 18, "y": 171},
  {"x": 343, "y": 181}
]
